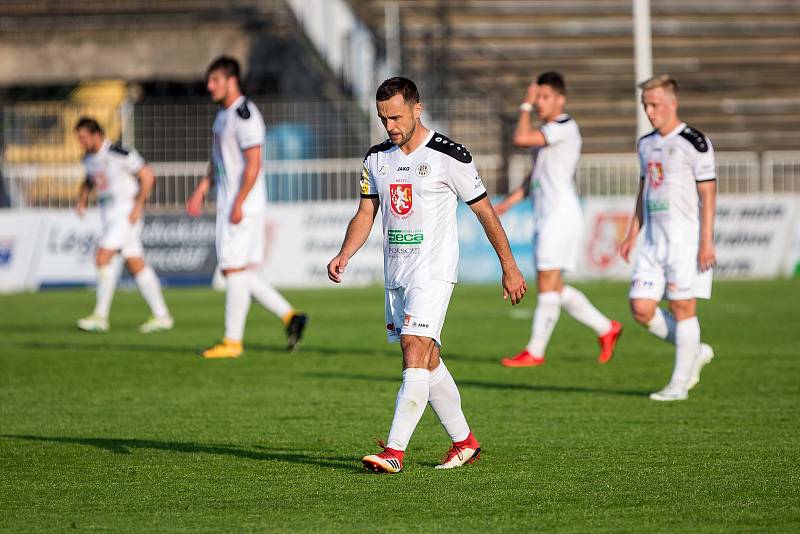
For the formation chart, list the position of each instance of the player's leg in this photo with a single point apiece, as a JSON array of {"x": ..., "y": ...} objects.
[
  {"x": 578, "y": 306},
  {"x": 148, "y": 283},
  {"x": 545, "y": 317},
  {"x": 647, "y": 288},
  {"x": 687, "y": 347},
  {"x": 108, "y": 272}
]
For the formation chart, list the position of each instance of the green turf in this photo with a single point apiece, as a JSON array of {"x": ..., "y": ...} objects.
[{"x": 126, "y": 432}]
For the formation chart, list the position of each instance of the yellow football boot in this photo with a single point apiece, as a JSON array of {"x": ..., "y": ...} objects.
[{"x": 227, "y": 348}]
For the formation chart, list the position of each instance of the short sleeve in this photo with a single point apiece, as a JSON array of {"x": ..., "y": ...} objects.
[
  {"x": 466, "y": 181},
  {"x": 134, "y": 162},
  {"x": 703, "y": 164},
  {"x": 250, "y": 131},
  {"x": 554, "y": 132},
  {"x": 367, "y": 183},
  {"x": 642, "y": 162}
]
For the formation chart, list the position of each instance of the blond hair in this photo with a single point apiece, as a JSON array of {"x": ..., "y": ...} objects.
[{"x": 662, "y": 80}]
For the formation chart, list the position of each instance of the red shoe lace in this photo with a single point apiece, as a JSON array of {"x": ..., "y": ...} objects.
[{"x": 454, "y": 450}]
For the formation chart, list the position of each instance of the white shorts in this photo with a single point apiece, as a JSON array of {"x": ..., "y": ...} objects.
[
  {"x": 240, "y": 245},
  {"x": 417, "y": 311},
  {"x": 119, "y": 234},
  {"x": 556, "y": 244},
  {"x": 669, "y": 269}
]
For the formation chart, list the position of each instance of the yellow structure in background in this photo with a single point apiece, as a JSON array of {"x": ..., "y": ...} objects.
[{"x": 40, "y": 136}]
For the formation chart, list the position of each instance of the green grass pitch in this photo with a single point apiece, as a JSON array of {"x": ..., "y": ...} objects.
[{"x": 126, "y": 432}]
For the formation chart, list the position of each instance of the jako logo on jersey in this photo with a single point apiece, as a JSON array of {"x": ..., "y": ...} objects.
[
  {"x": 401, "y": 169},
  {"x": 403, "y": 237},
  {"x": 655, "y": 173},
  {"x": 400, "y": 198}
]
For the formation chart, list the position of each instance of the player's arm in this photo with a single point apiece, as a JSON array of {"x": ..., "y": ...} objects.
[
  {"x": 516, "y": 196},
  {"x": 252, "y": 166},
  {"x": 83, "y": 196},
  {"x": 525, "y": 134},
  {"x": 706, "y": 256},
  {"x": 194, "y": 204},
  {"x": 354, "y": 238},
  {"x": 513, "y": 282},
  {"x": 146, "y": 182},
  {"x": 627, "y": 244}
]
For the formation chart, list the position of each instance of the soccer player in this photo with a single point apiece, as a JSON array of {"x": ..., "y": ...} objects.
[
  {"x": 241, "y": 202},
  {"x": 415, "y": 178},
  {"x": 675, "y": 204},
  {"x": 123, "y": 182},
  {"x": 558, "y": 219}
]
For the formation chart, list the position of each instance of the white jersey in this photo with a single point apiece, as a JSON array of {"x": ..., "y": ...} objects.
[
  {"x": 553, "y": 176},
  {"x": 112, "y": 172},
  {"x": 418, "y": 196},
  {"x": 236, "y": 129},
  {"x": 671, "y": 166}
]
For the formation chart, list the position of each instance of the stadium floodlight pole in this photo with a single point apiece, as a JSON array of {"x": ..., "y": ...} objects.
[{"x": 643, "y": 53}]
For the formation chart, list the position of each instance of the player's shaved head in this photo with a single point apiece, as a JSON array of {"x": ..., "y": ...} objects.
[
  {"x": 227, "y": 65},
  {"x": 665, "y": 81},
  {"x": 553, "y": 80},
  {"x": 90, "y": 125},
  {"x": 398, "y": 86}
]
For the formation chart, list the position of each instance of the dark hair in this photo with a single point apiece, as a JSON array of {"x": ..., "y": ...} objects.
[
  {"x": 228, "y": 65},
  {"x": 553, "y": 79},
  {"x": 89, "y": 124},
  {"x": 398, "y": 86}
]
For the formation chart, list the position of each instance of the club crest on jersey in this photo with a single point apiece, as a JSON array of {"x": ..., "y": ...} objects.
[
  {"x": 655, "y": 173},
  {"x": 400, "y": 198}
]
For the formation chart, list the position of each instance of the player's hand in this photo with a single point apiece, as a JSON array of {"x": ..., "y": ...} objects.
[
  {"x": 136, "y": 214},
  {"x": 194, "y": 206},
  {"x": 514, "y": 285},
  {"x": 706, "y": 257},
  {"x": 236, "y": 214},
  {"x": 532, "y": 93},
  {"x": 500, "y": 209},
  {"x": 80, "y": 209},
  {"x": 336, "y": 267},
  {"x": 626, "y": 247}
]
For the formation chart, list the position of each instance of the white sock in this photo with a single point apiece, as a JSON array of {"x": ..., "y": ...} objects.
[
  {"x": 445, "y": 400},
  {"x": 548, "y": 308},
  {"x": 687, "y": 345},
  {"x": 578, "y": 306},
  {"x": 267, "y": 296},
  {"x": 662, "y": 325},
  {"x": 237, "y": 304},
  {"x": 107, "y": 277},
  {"x": 150, "y": 287},
  {"x": 411, "y": 401}
]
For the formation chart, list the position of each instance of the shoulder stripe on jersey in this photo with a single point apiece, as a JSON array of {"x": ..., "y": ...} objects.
[
  {"x": 476, "y": 199},
  {"x": 243, "y": 111},
  {"x": 696, "y": 138},
  {"x": 567, "y": 118},
  {"x": 442, "y": 144},
  {"x": 119, "y": 149},
  {"x": 380, "y": 147},
  {"x": 646, "y": 135}
]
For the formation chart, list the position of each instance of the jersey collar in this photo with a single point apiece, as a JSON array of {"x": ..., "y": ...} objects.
[
  {"x": 236, "y": 103},
  {"x": 679, "y": 128}
]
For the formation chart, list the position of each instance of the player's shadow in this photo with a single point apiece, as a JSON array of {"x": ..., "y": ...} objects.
[
  {"x": 495, "y": 385},
  {"x": 127, "y": 446}
]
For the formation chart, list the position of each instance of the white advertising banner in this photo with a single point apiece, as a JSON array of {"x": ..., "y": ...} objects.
[
  {"x": 67, "y": 248},
  {"x": 302, "y": 239},
  {"x": 19, "y": 237}
]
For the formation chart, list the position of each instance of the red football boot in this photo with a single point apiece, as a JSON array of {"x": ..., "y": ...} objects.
[
  {"x": 461, "y": 453},
  {"x": 388, "y": 461},
  {"x": 608, "y": 341},
  {"x": 523, "y": 359}
]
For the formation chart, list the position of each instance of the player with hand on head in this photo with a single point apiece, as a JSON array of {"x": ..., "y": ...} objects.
[
  {"x": 123, "y": 182},
  {"x": 558, "y": 219},
  {"x": 675, "y": 205},
  {"x": 237, "y": 171},
  {"x": 415, "y": 179}
]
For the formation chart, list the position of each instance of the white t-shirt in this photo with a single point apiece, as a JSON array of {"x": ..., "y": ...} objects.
[
  {"x": 236, "y": 129},
  {"x": 671, "y": 166},
  {"x": 418, "y": 196},
  {"x": 553, "y": 175},
  {"x": 112, "y": 172}
]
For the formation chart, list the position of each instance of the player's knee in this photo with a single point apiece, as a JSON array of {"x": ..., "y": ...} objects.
[{"x": 642, "y": 311}]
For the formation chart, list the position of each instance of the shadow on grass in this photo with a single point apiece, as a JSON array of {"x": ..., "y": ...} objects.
[
  {"x": 125, "y": 446},
  {"x": 494, "y": 385}
]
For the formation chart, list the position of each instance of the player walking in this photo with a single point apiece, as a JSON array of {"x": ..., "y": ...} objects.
[
  {"x": 416, "y": 178},
  {"x": 558, "y": 219},
  {"x": 676, "y": 204},
  {"x": 241, "y": 202},
  {"x": 123, "y": 182}
]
